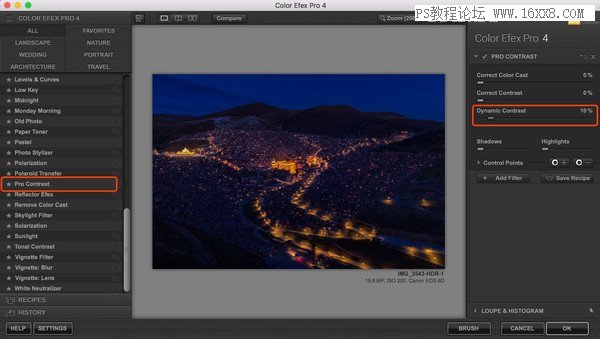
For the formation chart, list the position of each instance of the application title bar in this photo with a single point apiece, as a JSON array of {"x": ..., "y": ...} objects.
[{"x": 231, "y": 5}]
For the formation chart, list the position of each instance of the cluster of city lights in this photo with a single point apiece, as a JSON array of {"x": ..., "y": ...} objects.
[
  {"x": 426, "y": 254},
  {"x": 309, "y": 243},
  {"x": 298, "y": 237},
  {"x": 208, "y": 154},
  {"x": 278, "y": 231}
]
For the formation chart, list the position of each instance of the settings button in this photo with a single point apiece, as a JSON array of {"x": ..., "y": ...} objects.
[{"x": 53, "y": 328}]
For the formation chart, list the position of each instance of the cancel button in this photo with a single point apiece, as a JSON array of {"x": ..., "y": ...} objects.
[{"x": 522, "y": 328}]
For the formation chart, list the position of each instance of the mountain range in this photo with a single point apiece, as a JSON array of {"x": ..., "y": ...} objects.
[{"x": 340, "y": 121}]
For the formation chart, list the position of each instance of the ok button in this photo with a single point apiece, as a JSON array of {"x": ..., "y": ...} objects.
[{"x": 564, "y": 328}]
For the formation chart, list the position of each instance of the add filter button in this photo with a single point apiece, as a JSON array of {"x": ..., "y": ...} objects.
[
  {"x": 565, "y": 328},
  {"x": 502, "y": 178},
  {"x": 469, "y": 328},
  {"x": 53, "y": 328},
  {"x": 522, "y": 328}
]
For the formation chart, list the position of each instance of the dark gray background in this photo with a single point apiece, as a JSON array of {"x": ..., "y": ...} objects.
[
  {"x": 296, "y": 49},
  {"x": 536, "y": 243}
]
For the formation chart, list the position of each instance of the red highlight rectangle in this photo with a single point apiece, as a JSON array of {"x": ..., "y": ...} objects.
[
  {"x": 533, "y": 125},
  {"x": 116, "y": 188}
]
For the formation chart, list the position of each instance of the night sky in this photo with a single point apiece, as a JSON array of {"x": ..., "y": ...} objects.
[{"x": 418, "y": 96}]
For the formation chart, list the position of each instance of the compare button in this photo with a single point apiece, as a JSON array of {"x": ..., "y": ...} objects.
[{"x": 229, "y": 18}]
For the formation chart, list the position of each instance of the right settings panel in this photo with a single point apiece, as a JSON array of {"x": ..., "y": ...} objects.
[{"x": 533, "y": 147}]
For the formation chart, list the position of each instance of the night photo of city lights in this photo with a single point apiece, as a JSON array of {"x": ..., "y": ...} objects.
[{"x": 298, "y": 171}]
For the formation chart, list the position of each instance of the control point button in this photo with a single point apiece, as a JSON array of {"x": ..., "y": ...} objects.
[
  {"x": 18, "y": 328},
  {"x": 522, "y": 328},
  {"x": 469, "y": 328},
  {"x": 560, "y": 162},
  {"x": 568, "y": 328},
  {"x": 502, "y": 178},
  {"x": 53, "y": 328},
  {"x": 584, "y": 162}
]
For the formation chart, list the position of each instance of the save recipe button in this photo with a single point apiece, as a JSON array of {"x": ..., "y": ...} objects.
[{"x": 567, "y": 178}]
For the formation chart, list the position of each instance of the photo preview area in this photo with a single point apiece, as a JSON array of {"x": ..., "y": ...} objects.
[
  {"x": 314, "y": 171},
  {"x": 311, "y": 173}
]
